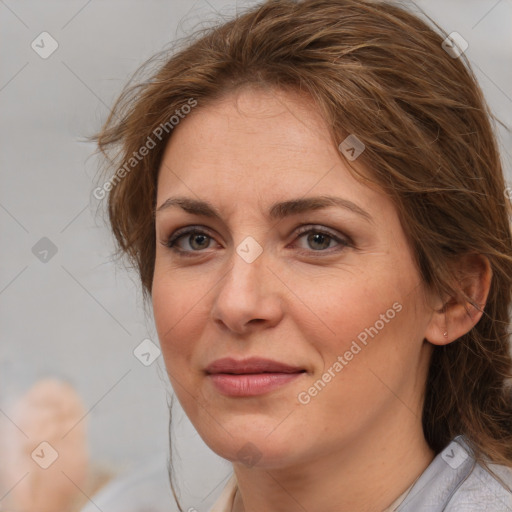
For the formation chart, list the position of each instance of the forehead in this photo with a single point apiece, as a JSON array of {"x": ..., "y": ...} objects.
[
  {"x": 255, "y": 144},
  {"x": 267, "y": 125}
]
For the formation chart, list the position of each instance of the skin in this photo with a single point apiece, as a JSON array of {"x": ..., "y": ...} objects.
[
  {"x": 358, "y": 444},
  {"x": 49, "y": 412}
]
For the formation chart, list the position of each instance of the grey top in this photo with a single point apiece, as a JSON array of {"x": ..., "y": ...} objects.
[{"x": 455, "y": 482}]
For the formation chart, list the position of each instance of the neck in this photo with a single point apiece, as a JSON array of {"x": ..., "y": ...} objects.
[{"x": 367, "y": 474}]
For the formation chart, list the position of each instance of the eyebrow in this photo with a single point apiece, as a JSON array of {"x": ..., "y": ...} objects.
[{"x": 277, "y": 211}]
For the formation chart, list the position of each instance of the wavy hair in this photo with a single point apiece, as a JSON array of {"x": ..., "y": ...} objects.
[{"x": 379, "y": 72}]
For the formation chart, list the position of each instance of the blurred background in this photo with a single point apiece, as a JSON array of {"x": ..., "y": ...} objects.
[{"x": 79, "y": 356}]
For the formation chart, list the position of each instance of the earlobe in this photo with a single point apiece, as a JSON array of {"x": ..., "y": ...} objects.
[{"x": 461, "y": 312}]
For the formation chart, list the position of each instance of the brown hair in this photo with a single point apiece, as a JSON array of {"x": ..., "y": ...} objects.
[{"x": 380, "y": 73}]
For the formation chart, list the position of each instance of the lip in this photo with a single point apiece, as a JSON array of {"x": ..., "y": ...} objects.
[
  {"x": 250, "y": 377},
  {"x": 250, "y": 365}
]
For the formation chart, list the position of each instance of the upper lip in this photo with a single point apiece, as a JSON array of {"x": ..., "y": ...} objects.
[{"x": 250, "y": 365}]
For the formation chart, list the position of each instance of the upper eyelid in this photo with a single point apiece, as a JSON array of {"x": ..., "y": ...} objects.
[
  {"x": 186, "y": 230},
  {"x": 198, "y": 228}
]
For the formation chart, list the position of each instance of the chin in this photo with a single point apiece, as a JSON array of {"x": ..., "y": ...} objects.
[{"x": 253, "y": 448}]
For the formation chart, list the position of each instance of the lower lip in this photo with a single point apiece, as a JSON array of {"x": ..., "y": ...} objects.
[{"x": 250, "y": 384}]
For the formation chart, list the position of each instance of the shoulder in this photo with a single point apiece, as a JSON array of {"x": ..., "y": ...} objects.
[
  {"x": 456, "y": 482},
  {"x": 224, "y": 502},
  {"x": 482, "y": 490}
]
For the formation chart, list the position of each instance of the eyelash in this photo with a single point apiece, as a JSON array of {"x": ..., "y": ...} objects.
[{"x": 302, "y": 230}]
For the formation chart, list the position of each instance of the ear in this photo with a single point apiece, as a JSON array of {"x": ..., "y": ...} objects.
[{"x": 456, "y": 315}]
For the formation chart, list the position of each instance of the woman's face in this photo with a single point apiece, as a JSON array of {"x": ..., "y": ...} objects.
[{"x": 332, "y": 292}]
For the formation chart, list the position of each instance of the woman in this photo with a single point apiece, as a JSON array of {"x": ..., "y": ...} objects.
[{"x": 313, "y": 197}]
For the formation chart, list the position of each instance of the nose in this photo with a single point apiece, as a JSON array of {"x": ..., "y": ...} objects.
[{"x": 248, "y": 296}]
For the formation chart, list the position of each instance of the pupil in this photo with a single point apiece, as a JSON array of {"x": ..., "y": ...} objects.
[
  {"x": 318, "y": 237},
  {"x": 195, "y": 237}
]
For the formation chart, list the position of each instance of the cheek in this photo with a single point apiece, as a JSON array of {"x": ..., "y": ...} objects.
[
  {"x": 177, "y": 324},
  {"x": 358, "y": 364},
  {"x": 375, "y": 350},
  {"x": 174, "y": 314},
  {"x": 367, "y": 320},
  {"x": 340, "y": 307}
]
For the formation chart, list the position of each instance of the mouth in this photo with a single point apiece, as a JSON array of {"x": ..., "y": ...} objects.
[
  {"x": 255, "y": 372},
  {"x": 253, "y": 365},
  {"x": 250, "y": 384},
  {"x": 250, "y": 377}
]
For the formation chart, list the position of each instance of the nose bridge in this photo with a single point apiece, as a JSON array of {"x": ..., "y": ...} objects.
[
  {"x": 247, "y": 269},
  {"x": 244, "y": 294}
]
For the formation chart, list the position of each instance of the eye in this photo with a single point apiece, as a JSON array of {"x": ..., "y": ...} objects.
[
  {"x": 195, "y": 238},
  {"x": 318, "y": 239}
]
